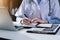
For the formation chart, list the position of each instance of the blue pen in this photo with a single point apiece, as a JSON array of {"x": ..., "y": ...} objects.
[{"x": 27, "y": 17}]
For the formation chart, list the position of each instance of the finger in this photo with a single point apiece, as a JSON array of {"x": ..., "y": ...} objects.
[
  {"x": 35, "y": 19},
  {"x": 34, "y": 22},
  {"x": 27, "y": 19},
  {"x": 26, "y": 22}
]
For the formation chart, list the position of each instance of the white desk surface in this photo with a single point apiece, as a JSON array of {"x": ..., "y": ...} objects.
[{"x": 23, "y": 35}]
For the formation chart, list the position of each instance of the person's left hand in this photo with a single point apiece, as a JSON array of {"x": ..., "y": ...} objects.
[{"x": 36, "y": 20}]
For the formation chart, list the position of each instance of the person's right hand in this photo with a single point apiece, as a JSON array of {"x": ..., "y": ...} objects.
[{"x": 26, "y": 21}]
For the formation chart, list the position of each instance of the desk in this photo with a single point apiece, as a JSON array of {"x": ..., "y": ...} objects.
[{"x": 23, "y": 35}]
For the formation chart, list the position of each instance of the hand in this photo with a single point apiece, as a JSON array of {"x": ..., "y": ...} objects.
[
  {"x": 36, "y": 20},
  {"x": 26, "y": 21}
]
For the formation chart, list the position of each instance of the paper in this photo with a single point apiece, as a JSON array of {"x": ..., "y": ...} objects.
[
  {"x": 31, "y": 25},
  {"x": 44, "y": 25}
]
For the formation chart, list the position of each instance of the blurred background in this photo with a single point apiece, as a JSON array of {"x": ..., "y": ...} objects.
[{"x": 12, "y": 6}]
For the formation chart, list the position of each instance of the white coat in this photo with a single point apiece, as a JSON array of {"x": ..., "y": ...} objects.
[{"x": 41, "y": 10}]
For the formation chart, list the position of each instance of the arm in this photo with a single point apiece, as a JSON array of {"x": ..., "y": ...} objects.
[
  {"x": 55, "y": 19},
  {"x": 19, "y": 14}
]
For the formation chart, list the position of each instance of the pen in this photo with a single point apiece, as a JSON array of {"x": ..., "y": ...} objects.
[
  {"x": 38, "y": 24},
  {"x": 27, "y": 17}
]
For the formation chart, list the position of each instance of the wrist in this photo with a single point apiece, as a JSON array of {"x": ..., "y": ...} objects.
[{"x": 44, "y": 22}]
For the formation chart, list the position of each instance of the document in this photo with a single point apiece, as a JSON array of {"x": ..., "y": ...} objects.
[
  {"x": 32, "y": 25},
  {"x": 35, "y": 25},
  {"x": 44, "y": 25}
]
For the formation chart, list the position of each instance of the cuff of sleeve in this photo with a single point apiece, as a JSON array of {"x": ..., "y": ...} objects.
[
  {"x": 51, "y": 21},
  {"x": 19, "y": 20},
  {"x": 54, "y": 21}
]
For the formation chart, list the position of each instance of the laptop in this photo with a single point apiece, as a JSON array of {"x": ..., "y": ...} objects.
[{"x": 6, "y": 21}]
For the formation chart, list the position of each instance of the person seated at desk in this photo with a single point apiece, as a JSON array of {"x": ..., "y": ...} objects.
[{"x": 38, "y": 11}]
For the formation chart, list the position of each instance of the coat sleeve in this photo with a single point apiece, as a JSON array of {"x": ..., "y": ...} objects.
[
  {"x": 20, "y": 12},
  {"x": 55, "y": 19}
]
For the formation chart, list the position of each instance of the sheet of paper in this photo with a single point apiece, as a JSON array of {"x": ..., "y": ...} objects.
[
  {"x": 31, "y": 25},
  {"x": 22, "y": 25},
  {"x": 45, "y": 25}
]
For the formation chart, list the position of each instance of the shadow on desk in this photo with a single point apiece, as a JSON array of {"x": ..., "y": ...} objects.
[
  {"x": 4, "y": 39},
  {"x": 23, "y": 35}
]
